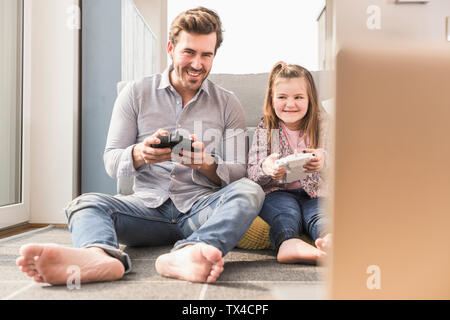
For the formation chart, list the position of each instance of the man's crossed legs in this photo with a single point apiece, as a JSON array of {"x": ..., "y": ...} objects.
[{"x": 98, "y": 222}]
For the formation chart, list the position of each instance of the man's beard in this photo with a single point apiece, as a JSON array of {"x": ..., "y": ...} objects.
[{"x": 192, "y": 85}]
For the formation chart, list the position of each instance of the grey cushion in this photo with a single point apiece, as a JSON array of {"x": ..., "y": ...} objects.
[{"x": 250, "y": 90}]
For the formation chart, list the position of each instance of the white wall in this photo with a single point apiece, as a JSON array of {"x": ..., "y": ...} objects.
[
  {"x": 398, "y": 22},
  {"x": 54, "y": 109},
  {"x": 260, "y": 33}
]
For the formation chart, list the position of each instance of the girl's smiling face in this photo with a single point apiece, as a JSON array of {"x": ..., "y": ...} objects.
[{"x": 290, "y": 101}]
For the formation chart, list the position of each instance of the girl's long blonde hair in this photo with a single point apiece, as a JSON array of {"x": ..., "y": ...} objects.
[{"x": 310, "y": 123}]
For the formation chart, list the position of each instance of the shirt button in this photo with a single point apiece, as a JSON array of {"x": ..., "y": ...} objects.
[
  {"x": 173, "y": 176},
  {"x": 179, "y": 126}
]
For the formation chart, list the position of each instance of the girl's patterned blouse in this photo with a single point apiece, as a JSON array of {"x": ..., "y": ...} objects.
[{"x": 314, "y": 184}]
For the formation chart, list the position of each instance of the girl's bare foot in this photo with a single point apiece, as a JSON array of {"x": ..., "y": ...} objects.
[
  {"x": 324, "y": 243},
  {"x": 200, "y": 262},
  {"x": 298, "y": 251},
  {"x": 51, "y": 263}
]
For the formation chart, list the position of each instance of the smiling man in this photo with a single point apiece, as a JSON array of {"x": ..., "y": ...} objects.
[
  {"x": 191, "y": 66},
  {"x": 198, "y": 201}
]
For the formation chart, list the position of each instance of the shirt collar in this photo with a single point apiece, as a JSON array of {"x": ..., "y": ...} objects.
[{"x": 165, "y": 81}]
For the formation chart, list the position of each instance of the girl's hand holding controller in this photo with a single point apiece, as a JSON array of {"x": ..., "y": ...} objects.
[
  {"x": 315, "y": 164},
  {"x": 272, "y": 170}
]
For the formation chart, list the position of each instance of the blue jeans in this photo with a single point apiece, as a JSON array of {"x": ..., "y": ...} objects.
[
  {"x": 292, "y": 213},
  {"x": 221, "y": 220}
]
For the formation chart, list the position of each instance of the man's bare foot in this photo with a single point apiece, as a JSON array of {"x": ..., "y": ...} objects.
[
  {"x": 200, "y": 262},
  {"x": 324, "y": 243},
  {"x": 298, "y": 251},
  {"x": 50, "y": 263}
]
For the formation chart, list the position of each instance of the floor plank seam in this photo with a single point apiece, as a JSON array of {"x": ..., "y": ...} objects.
[
  {"x": 203, "y": 292},
  {"x": 16, "y": 293}
]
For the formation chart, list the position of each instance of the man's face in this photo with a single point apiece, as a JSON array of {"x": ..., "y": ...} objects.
[{"x": 192, "y": 59}]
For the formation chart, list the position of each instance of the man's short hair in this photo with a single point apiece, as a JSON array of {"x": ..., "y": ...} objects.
[{"x": 199, "y": 20}]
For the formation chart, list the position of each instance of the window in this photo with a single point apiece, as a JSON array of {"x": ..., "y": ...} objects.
[
  {"x": 10, "y": 101},
  {"x": 14, "y": 114}
]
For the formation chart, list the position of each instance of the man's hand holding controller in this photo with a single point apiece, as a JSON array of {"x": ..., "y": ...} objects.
[
  {"x": 147, "y": 152},
  {"x": 188, "y": 152},
  {"x": 144, "y": 153},
  {"x": 197, "y": 159}
]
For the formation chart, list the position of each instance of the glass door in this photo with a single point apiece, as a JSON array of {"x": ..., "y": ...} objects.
[{"x": 13, "y": 209}]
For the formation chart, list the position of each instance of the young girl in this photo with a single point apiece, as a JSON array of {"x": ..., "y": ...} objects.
[{"x": 292, "y": 122}]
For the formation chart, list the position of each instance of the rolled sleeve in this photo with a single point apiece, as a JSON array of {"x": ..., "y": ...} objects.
[
  {"x": 125, "y": 165},
  {"x": 231, "y": 164},
  {"x": 259, "y": 176},
  {"x": 227, "y": 172},
  {"x": 258, "y": 153},
  {"x": 118, "y": 155}
]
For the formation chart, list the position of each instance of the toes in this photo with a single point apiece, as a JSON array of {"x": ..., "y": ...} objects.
[
  {"x": 319, "y": 243},
  {"x": 321, "y": 254},
  {"x": 20, "y": 261},
  {"x": 210, "y": 273},
  {"x": 32, "y": 273},
  {"x": 38, "y": 278},
  {"x": 212, "y": 254},
  {"x": 217, "y": 268},
  {"x": 31, "y": 251},
  {"x": 23, "y": 261},
  {"x": 27, "y": 268},
  {"x": 212, "y": 278},
  {"x": 220, "y": 263},
  {"x": 215, "y": 272}
]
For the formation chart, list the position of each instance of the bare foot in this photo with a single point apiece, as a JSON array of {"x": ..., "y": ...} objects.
[
  {"x": 298, "y": 251},
  {"x": 50, "y": 263},
  {"x": 200, "y": 262},
  {"x": 324, "y": 243}
]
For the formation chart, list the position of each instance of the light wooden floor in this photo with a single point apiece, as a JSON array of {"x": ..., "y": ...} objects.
[{"x": 20, "y": 229}]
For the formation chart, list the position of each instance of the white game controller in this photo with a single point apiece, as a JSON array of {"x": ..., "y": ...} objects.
[{"x": 294, "y": 166}]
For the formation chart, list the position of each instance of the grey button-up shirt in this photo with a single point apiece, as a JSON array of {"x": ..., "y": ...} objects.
[{"x": 214, "y": 115}]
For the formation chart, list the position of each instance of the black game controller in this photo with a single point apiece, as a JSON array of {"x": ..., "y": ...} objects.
[{"x": 176, "y": 142}]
